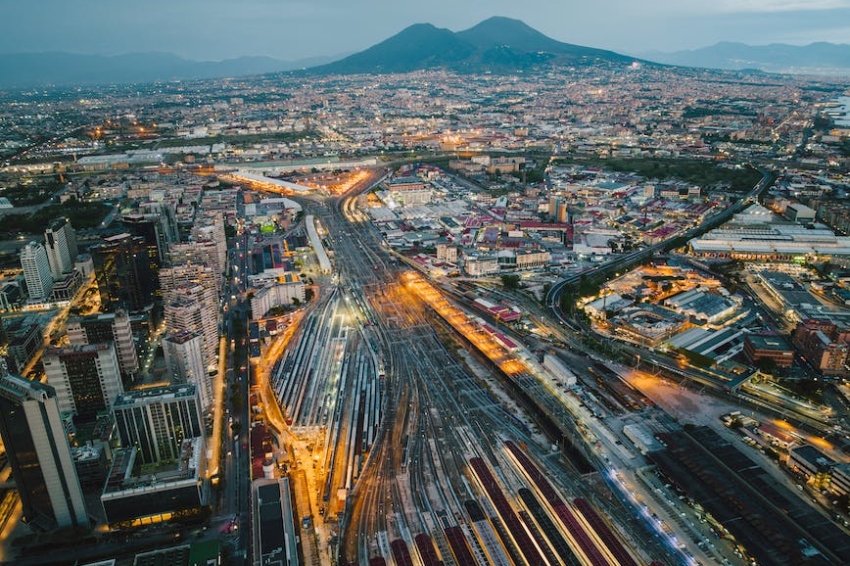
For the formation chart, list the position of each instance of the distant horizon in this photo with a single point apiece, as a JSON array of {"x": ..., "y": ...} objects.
[
  {"x": 346, "y": 54},
  {"x": 292, "y": 30}
]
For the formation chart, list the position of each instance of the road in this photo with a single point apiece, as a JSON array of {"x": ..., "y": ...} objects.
[{"x": 633, "y": 258}]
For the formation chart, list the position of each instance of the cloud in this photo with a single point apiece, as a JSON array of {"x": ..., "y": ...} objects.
[{"x": 762, "y": 6}]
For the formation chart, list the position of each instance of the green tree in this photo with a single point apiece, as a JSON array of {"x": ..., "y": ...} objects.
[{"x": 510, "y": 281}]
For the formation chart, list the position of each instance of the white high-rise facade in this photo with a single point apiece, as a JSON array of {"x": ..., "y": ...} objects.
[
  {"x": 37, "y": 271},
  {"x": 184, "y": 360},
  {"x": 190, "y": 295},
  {"x": 39, "y": 455},
  {"x": 60, "y": 243}
]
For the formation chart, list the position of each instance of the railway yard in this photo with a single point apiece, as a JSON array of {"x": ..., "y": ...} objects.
[{"x": 414, "y": 432}]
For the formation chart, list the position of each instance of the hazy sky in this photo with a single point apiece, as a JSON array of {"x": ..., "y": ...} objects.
[{"x": 295, "y": 29}]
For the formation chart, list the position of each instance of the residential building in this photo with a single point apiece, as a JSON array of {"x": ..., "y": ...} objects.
[
  {"x": 25, "y": 339},
  {"x": 447, "y": 252},
  {"x": 190, "y": 313},
  {"x": 108, "y": 327},
  {"x": 184, "y": 361},
  {"x": 817, "y": 342},
  {"x": 87, "y": 378},
  {"x": 286, "y": 291}
]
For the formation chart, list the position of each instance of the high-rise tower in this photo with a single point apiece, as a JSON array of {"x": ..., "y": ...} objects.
[
  {"x": 109, "y": 327},
  {"x": 39, "y": 454},
  {"x": 184, "y": 359},
  {"x": 60, "y": 243},
  {"x": 124, "y": 276},
  {"x": 36, "y": 271},
  {"x": 158, "y": 420},
  {"x": 87, "y": 378}
]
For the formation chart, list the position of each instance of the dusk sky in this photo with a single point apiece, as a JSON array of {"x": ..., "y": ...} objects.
[{"x": 296, "y": 29}]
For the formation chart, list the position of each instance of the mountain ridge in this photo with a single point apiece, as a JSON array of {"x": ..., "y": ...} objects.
[
  {"x": 817, "y": 57},
  {"x": 497, "y": 44},
  {"x": 60, "y": 68}
]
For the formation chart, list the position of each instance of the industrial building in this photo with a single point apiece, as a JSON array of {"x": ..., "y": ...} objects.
[
  {"x": 699, "y": 304},
  {"x": 800, "y": 213},
  {"x": 757, "y": 235},
  {"x": 719, "y": 345},
  {"x": 812, "y": 464},
  {"x": 275, "y": 540},
  {"x": 736, "y": 491},
  {"x": 775, "y": 348}
]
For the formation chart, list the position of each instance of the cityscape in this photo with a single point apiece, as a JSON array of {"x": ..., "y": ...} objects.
[{"x": 460, "y": 298}]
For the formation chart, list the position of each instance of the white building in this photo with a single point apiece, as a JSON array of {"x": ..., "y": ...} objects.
[
  {"x": 61, "y": 246},
  {"x": 190, "y": 295},
  {"x": 37, "y": 271},
  {"x": 184, "y": 361},
  {"x": 190, "y": 312},
  {"x": 287, "y": 288},
  {"x": 39, "y": 455}
]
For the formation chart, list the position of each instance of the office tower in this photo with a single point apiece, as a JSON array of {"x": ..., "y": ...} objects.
[
  {"x": 563, "y": 213},
  {"x": 553, "y": 206},
  {"x": 148, "y": 227},
  {"x": 39, "y": 454},
  {"x": 184, "y": 359},
  {"x": 37, "y": 271},
  {"x": 60, "y": 242},
  {"x": 156, "y": 421},
  {"x": 124, "y": 277},
  {"x": 87, "y": 378},
  {"x": 109, "y": 327},
  {"x": 165, "y": 210}
]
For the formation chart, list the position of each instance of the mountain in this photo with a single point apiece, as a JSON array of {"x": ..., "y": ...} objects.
[
  {"x": 419, "y": 46},
  {"x": 495, "y": 45},
  {"x": 815, "y": 58},
  {"x": 26, "y": 70}
]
